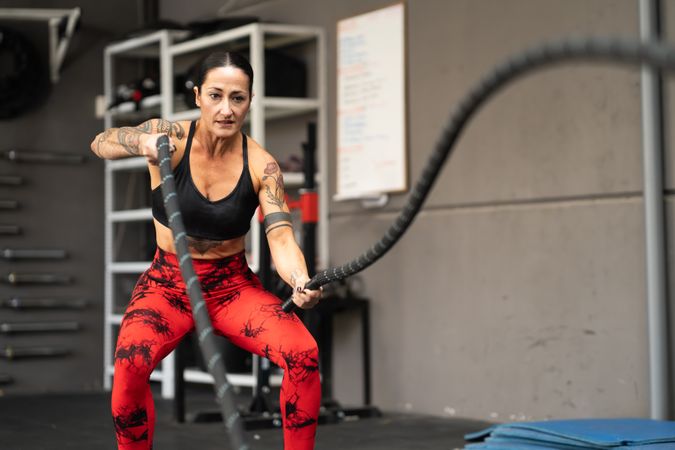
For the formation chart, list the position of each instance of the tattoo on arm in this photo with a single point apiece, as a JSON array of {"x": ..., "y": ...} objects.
[
  {"x": 145, "y": 127},
  {"x": 163, "y": 126},
  {"x": 105, "y": 135},
  {"x": 177, "y": 130},
  {"x": 171, "y": 128},
  {"x": 274, "y": 227},
  {"x": 294, "y": 278},
  {"x": 275, "y": 194},
  {"x": 129, "y": 139}
]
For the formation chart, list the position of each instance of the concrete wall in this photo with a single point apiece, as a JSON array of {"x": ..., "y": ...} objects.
[
  {"x": 519, "y": 292},
  {"x": 535, "y": 232}
]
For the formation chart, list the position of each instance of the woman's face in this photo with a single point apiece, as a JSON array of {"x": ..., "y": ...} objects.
[{"x": 224, "y": 100}]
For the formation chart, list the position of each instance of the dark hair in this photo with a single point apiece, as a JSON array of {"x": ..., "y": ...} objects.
[{"x": 224, "y": 59}]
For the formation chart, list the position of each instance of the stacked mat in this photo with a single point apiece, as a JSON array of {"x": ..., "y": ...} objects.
[{"x": 577, "y": 434}]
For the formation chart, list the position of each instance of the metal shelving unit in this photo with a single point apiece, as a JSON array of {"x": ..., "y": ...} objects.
[
  {"x": 58, "y": 45},
  {"x": 162, "y": 46}
]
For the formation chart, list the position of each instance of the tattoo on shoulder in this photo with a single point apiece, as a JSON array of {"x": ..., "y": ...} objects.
[
  {"x": 178, "y": 130},
  {"x": 145, "y": 127},
  {"x": 164, "y": 126},
  {"x": 170, "y": 128},
  {"x": 275, "y": 193},
  {"x": 202, "y": 246}
]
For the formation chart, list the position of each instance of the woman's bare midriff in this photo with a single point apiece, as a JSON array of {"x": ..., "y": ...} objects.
[{"x": 199, "y": 248}]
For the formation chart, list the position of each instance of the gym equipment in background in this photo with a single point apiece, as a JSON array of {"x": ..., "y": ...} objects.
[
  {"x": 14, "y": 253},
  {"x": 35, "y": 278},
  {"x": 19, "y": 303},
  {"x": 38, "y": 327},
  {"x": 24, "y": 82},
  {"x": 26, "y": 156},
  {"x": 11, "y": 353},
  {"x": 135, "y": 92}
]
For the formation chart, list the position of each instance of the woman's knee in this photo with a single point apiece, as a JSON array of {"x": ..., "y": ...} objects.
[
  {"x": 134, "y": 360},
  {"x": 300, "y": 359}
]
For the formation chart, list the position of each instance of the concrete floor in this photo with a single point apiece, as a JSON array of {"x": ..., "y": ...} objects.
[{"x": 82, "y": 421}]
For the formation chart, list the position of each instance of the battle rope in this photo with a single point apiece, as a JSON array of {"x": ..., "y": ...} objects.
[
  {"x": 612, "y": 50},
  {"x": 207, "y": 342}
]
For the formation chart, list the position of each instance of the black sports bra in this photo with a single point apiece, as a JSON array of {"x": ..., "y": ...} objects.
[{"x": 220, "y": 220}]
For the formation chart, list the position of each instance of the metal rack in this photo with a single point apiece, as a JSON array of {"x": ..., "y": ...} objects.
[
  {"x": 162, "y": 45},
  {"x": 58, "y": 45}
]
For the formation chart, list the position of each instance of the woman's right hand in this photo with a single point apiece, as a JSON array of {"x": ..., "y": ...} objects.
[{"x": 148, "y": 147}]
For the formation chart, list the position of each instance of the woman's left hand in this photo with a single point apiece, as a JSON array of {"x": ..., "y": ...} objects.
[{"x": 305, "y": 298}]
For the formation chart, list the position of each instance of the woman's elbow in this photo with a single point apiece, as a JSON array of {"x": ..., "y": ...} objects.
[{"x": 94, "y": 145}]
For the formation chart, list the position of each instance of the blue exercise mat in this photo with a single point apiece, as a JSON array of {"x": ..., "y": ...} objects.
[
  {"x": 492, "y": 443},
  {"x": 548, "y": 439},
  {"x": 530, "y": 444},
  {"x": 521, "y": 446},
  {"x": 588, "y": 434},
  {"x": 515, "y": 444}
]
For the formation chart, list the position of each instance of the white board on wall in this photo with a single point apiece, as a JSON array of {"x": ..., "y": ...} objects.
[{"x": 371, "y": 109}]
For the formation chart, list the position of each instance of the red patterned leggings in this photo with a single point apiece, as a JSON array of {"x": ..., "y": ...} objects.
[{"x": 158, "y": 317}]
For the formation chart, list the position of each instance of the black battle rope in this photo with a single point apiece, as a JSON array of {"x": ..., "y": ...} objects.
[
  {"x": 621, "y": 51},
  {"x": 207, "y": 342},
  {"x": 613, "y": 50}
]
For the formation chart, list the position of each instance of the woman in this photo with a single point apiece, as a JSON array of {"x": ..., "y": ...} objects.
[{"x": 221, "y": 176}]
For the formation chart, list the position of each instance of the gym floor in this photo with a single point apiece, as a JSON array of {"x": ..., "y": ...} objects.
[{"x": 82, "y": 421}]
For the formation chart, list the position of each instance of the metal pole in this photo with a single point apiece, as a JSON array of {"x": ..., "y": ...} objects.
[{"x": 652, "y": 142}]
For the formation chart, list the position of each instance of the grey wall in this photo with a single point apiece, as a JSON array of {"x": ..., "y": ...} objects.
[
  {"x": 519, "y": 291},
  {"x": 531, "y": 303},
  {"x": 61, "y": 206}
]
